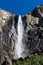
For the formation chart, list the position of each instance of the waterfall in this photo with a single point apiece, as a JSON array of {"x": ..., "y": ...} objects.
[{"x": 19, "y": 44}]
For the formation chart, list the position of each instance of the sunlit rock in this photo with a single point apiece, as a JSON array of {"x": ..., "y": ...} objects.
[{"x": 21, "y": 36}]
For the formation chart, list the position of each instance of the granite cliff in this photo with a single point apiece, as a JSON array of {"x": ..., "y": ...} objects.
[{"x": 32, "y": 34}]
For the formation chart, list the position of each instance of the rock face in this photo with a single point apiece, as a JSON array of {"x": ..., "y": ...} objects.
[
  {"x": 32, "y": 34},
  {"x": 5, "y": 17},
  {"x": 38, "y": 12}
]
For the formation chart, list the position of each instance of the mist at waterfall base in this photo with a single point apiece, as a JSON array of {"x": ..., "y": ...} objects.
[{"x": 19, "y": 47}]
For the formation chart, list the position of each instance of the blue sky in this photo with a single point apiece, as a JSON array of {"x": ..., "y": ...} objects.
[{"x": 19, "y": 7}]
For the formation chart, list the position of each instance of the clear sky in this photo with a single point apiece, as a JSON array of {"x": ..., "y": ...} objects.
[{"x": 19, "y": 7}]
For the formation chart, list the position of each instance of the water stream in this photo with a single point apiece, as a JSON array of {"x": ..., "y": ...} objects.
[{"x": 19, "y": 44}]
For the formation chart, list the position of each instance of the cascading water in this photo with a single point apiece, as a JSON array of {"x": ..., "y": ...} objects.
[{"x": 19, "y": 47}]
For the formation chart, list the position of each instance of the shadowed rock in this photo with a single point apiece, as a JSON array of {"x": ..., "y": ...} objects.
[{"x": 32, "y": 35}]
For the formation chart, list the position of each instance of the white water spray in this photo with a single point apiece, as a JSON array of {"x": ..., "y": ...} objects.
[{"x": 19, "y": 48}]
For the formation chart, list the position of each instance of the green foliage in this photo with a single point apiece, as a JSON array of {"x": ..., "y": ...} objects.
[{"x": 33, "y": 60}]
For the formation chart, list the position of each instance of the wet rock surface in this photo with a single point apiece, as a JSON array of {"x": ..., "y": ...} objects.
[{"x": 32, "y": 34}]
